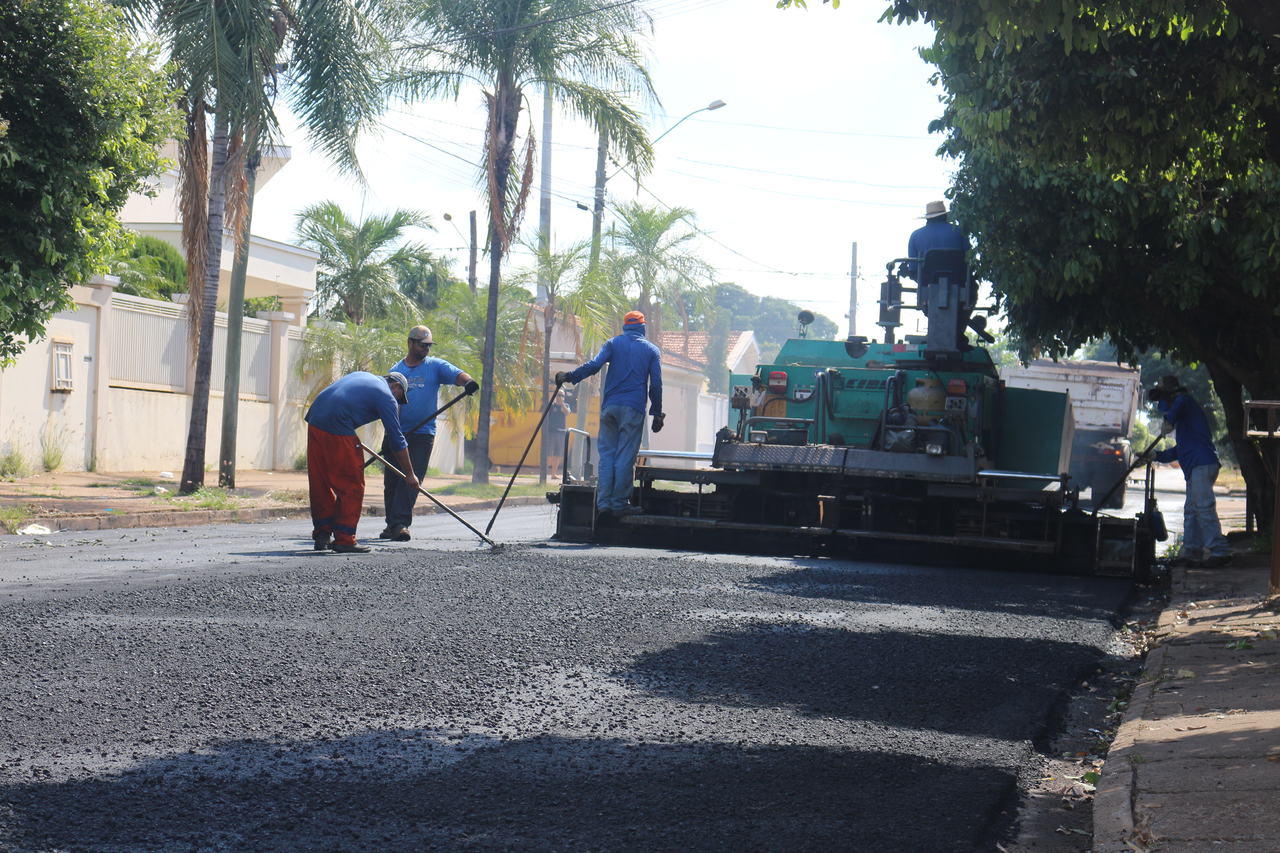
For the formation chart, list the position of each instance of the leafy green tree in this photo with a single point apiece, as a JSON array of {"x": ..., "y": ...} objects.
[
  {"x": 1118, "y": 165},
  {"x": 150, "y": 267},
  {"x": 227, "y": 59},
  {"x": 771, "y": 319},
  {"x": 369, "y": 268},
  {"x": 82, "y": 116},
  {"x": 583, "y": 53}
]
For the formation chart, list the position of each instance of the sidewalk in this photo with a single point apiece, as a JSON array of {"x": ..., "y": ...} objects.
[
  {"x": 85, "y": 500},
  {"x": 1195, "y": 765}
]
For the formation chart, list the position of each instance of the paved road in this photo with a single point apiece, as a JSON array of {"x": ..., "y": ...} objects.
[{"x": 221, "y": 688}]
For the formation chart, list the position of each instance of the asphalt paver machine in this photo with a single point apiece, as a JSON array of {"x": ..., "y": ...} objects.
[{"x": 911, "y": 449}]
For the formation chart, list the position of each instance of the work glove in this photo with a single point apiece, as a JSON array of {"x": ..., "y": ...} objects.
[
  {"x": 471, "y": 387},
  {"x": 562, "y": 378},
  {"x": 658, "y": 420},
  {"x": 1166, "y": 427}
]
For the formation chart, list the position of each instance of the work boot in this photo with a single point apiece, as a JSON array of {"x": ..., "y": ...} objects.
[
  {"x": 321, "y": 541},
  {"x": 353, "y": 548},
  {"x": 397, "y": 534},
  {"x": 388, "y": 532}
]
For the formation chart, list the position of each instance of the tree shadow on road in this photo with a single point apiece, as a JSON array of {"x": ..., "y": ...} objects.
[
  {"x": 1030, "y": 594},
  {"x": 970, "y": 685},
  {"x": 415, "y": 789}
]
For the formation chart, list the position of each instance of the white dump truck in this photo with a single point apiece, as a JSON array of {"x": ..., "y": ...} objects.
[{"x": 1104, "y": 398}]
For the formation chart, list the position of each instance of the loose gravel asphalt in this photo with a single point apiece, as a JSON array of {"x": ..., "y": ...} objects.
[{"x": 223, "y": 688}]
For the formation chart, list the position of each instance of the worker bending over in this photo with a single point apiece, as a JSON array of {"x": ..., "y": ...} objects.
[
  {"x": 635, "y": 371},
  {"x": 335, "y": 465}
]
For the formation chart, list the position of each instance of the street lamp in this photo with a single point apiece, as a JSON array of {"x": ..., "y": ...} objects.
[{"x": 597, "y": 213}]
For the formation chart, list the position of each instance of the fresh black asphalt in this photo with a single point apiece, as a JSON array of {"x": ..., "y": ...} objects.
[{"x": 222, "y": 688}]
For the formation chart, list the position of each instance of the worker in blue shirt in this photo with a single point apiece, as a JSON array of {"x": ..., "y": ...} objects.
[
  {"x": 938, "y": 233},
  {"x": 635, "y": 372},
  {"x": 335, "y": 465},
  {"x": 1203, "y": 544},
  {"x": 425, "y": 374}
]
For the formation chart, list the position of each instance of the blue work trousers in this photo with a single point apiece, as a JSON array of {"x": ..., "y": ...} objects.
[
  {"x": 621, "y": 428},
  {"x": 1201, "y": 532},
  {"x": 397, "y": 498}
]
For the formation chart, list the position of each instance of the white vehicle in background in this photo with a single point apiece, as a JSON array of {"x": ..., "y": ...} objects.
[{"x": 1104, "y": 400}]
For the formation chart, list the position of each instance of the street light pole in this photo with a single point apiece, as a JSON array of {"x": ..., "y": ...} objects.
[{"x": 597, "y": 211}]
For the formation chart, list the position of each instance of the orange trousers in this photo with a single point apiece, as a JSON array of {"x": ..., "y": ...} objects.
[{"x": 335, "y": 475}]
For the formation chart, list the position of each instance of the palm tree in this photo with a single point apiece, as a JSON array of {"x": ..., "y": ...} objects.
[
  {"x": 651, "y": 256},
  {"x": 585, "y": 54},
  {"x": 227, "y": 57},
  {"x": 366, "y": 267},
  {"x": 464, "y": 312}
]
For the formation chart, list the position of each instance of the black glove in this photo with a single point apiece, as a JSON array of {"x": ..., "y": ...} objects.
[
  {"x": 562, "y": 378},
  {"x": 471, "y": 387},
  {"x": 658, "y": 420}
]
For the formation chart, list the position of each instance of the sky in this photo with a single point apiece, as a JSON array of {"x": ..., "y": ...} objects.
[{"x": 823, "y": 143}]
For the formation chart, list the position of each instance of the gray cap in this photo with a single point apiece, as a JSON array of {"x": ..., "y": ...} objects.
[
  {"x": 398, "y": 378},
  {"x": 420, "y": 333}
]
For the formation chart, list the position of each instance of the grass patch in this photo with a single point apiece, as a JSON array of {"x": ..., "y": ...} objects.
[
  {"x": 51, "y": 448},
  {"x": 141, "y": 484},
  {"x": 212, "y": 497},
  {"x": 290, "y": 496},
  {"x": 494, "y": 490},
  {"x": 14, "y": 465},
  {"x": 14, "y": 516},
  {"x": 300, "y": 461}
]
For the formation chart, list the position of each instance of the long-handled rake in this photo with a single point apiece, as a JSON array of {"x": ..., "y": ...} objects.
[
  {"x": 423, "y": 422},
  {"x": 523, "y": 456},
  {"x": 432, "y": 497}
]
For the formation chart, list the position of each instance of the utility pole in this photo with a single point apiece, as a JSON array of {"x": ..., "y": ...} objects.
[
  {"x": 597, "y": 210},
  {"x": 853, "y": 292},
  {"x": 544, "y": 194},
  {"x": 471, "y": 266}
]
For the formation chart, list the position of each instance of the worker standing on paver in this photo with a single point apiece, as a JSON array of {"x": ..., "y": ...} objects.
[
  {"x": 425, "y": 374},
  {"x": 1203, "y": 544},
  {"x": 335, "y": 465},
  {"x": 635, "y": 371}
]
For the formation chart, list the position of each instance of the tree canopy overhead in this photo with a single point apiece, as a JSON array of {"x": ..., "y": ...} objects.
[
  {"x": 82, "y": 116},
  {"x": 1119, "y": 164}
]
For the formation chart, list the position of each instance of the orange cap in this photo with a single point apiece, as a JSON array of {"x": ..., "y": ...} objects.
[{"x": 633, "y": 317}]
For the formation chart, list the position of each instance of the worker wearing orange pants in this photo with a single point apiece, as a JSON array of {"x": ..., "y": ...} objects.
[
  {"x": 335, "y": 474},
  {"x": 335, "y": 465}
]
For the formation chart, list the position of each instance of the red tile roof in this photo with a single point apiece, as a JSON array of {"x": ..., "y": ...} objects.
[{"x": 689, "y": 349}]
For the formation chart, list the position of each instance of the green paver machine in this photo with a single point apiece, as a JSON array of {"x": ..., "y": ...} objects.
[{"x": 914, "y": 449}]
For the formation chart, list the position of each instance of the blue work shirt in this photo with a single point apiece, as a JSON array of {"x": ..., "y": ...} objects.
[
  {"x": 1193, "y": 442},
  {"x": 634, "y": 364},
  {"x": 936, "y": 233},
  {"x": 424, "y": 391},
  {"x": 355, "y": 400}
]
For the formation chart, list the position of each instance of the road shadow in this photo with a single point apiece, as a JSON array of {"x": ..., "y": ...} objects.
[
  {"x": 969, "y": 685},
  {"x": 414, "y": 789},
  {"x": 1054, "y": 596}
]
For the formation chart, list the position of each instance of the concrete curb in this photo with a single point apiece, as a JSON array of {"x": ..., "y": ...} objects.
[
  {"x": 195, "y": 517},
  {"x": 1113, "y": 821}
]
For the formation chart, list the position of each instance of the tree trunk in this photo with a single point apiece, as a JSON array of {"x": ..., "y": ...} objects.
[
  {"x": 504, "y": 140},
  {"x": 193, "y": 466},
  {"x": 235, "y": 324},
  {"x": 1261, "y": 493}
]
